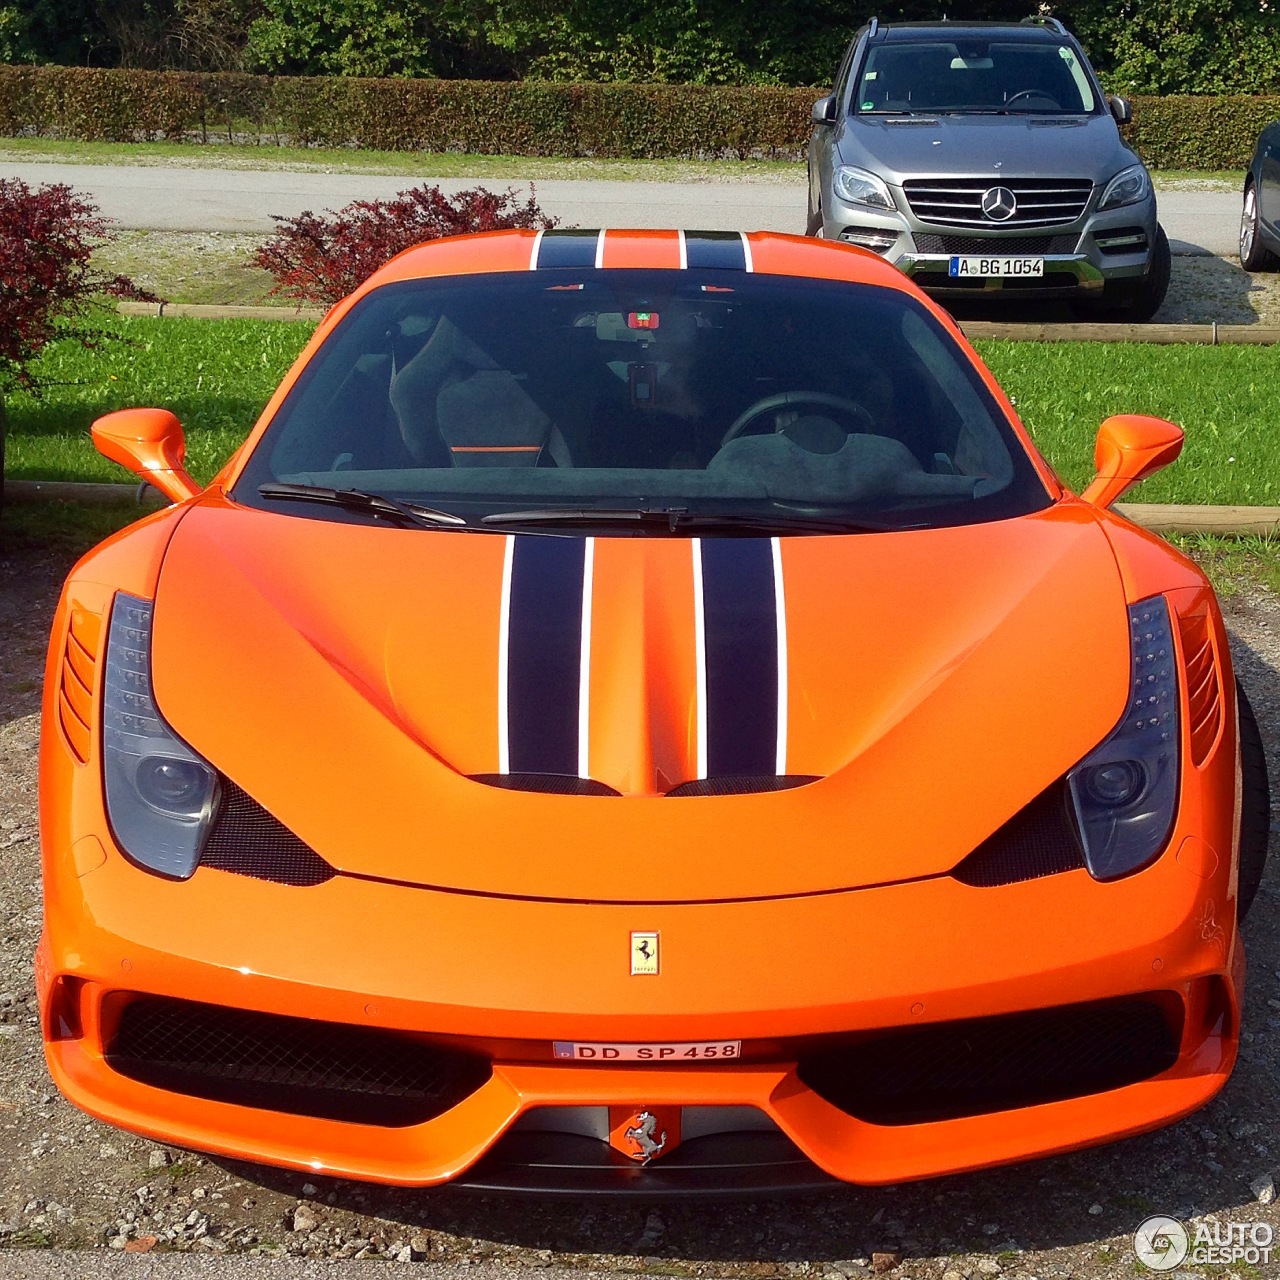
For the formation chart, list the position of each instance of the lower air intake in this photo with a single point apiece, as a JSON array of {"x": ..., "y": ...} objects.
[
  {"x": 295, "y": 1065},
  {"x": 982, "y": 1065},
  {"x": 248, "y": 841}
]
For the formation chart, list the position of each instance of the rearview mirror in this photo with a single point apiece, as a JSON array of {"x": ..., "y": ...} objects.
[
  {"x": 150, "y": 443},
  {"x": 1130, "y": 448},
  {"x": 1120, "y": 109},
  {"x": 824, "y": 110}
]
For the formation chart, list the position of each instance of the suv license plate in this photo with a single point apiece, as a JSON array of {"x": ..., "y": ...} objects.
[
  {"x": 1003, "y": 266},
  {"x": 697, "y": 1051}
]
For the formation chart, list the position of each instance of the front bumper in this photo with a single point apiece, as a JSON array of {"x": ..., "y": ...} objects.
[
  {"x": 1081, "y": 258},
  {"x": 502, "y": 979}
]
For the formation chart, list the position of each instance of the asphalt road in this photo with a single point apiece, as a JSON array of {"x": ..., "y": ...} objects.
[{"x": 185, "y": 199}]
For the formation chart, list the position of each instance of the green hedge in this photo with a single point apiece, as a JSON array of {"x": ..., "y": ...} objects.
[{"x": 529, "y": 117}]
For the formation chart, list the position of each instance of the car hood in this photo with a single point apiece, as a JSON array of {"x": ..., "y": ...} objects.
[
  {"x": 355, "y": 679},
  {"x": 978, "y": 146}
]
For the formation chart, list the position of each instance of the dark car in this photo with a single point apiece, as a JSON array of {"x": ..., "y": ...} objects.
[
  {"x": 1260, "y": 217},
  {"x": 985, "y": 158}
]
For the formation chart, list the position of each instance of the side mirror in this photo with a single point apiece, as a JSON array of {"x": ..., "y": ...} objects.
[
  {"x": 1130, "y": 448},
  {"x": 824, "y": 110},
  {"x": 150, "y": 443},
  {"x": 1120, "y": 109}
]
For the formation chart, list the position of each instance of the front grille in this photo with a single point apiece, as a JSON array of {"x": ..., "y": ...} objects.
[
  {"x": 558, "y": 784},
  {"x": 1039, "y": 840},
  {"x": 248, "y": 841},
  {"x": 920, "y": 1074},
  {"x": 294, "y": 1065},
  {"x": 1041, "y": 202},
  {"x": 995, "y": 247},
  {"x": 743, "y": 785}
]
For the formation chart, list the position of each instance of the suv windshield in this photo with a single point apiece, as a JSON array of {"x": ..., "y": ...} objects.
[
  {"x": 1006, "y": 75},
  {"x": 677, "y": 399}
]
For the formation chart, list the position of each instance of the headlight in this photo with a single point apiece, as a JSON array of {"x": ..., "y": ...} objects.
[
  {"x": 1125, "y": 793},
  {"x": 1127, "y": 187},
  {"x": 161, "y": 796},
  {"x": 857, "y": 186}
]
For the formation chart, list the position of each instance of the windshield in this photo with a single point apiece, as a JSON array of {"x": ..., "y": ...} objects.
[
  {"x": 789, "y": 404},
  {"x": 936, "y": 76}
]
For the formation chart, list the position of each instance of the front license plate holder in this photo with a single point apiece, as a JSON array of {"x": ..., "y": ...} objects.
[
  {"x": 655, "y": 1051},
  {"x": 967, "y": 267}
]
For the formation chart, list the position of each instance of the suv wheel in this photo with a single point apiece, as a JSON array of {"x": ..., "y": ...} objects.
[
  {"x": 1255, "y": 807},
  {"x": 1134, "y": 303},
  {"x": 1254, "y": 255},
  {"x": 813, "y": 225}
]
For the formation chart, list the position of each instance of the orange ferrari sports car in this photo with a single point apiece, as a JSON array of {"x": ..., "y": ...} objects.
[{"x": 638, "y": 713}]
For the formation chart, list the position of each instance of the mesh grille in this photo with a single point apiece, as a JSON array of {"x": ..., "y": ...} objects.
[
  {"x": 742, "y": 785},
  {"x": 559, "y": 784},
  {"x": 997, "y": 1064},
  {"x": 1039, "y": 840},
  {"x": 247, "y": 840},
  {"x": 989, "y": 246},
  {"x": 295, "y": 1065}
]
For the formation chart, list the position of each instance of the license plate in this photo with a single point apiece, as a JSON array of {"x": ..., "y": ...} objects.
[
  {"x": 965, "y": 267},
  {"x": 687, "y": 1051}
]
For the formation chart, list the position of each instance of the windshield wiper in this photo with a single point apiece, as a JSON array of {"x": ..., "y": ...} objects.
[
  {"x": 675, "y": 518},
  {"x": 375, "y": 504}
]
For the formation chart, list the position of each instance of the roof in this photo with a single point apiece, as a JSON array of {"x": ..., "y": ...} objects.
[{"x": 1030, "y": 32}]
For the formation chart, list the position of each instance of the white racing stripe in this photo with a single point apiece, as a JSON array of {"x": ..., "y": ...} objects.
[
  {"x": 780, "y": 609},
  {"x": 504, "y": 641},
  {"x": 746, "y": 251},
  {"x": 537, "y": 244},
  {"x": 600, "y": 250},
  {"x": 684, "y": 252},
  {"x": 584, "y": 664},
  {"x": 700, "y": 651}
]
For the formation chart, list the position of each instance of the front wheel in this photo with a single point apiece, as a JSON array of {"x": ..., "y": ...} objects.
[
  {"x": 1135, "y": 303},
  {"x": 1255, "y": 807},
  {"x": 1254, "y": 255}
]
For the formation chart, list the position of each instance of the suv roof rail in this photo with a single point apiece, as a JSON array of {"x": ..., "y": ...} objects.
[
  {"x": 874, "y": 27},
  {"x": 1044, "y": 20}
]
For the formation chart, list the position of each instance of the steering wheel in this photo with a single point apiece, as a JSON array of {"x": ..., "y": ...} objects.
[
  {"x": 784, "y": 399},
  {"x": 1034, "y": 93}
]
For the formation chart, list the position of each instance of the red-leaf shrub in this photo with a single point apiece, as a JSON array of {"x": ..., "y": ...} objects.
[
  {"x": 48, "y": 284},
  {"x": 324, "y": 257}
]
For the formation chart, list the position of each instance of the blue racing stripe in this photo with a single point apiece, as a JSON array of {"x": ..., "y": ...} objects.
[
  {"x": 567, "y": 249},
  {"x": 544, "y": 652},
  {"x": 708, "y": 250},
  {"x": 741, "y": 629}
]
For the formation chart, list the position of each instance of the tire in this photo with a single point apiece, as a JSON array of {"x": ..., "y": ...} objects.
[
  {"x": 813, "y": 224},
  {"x": 1254, "y": 255},
  {"x": 1255, "y": 807},
  {"x": 1135, "y": 303}
]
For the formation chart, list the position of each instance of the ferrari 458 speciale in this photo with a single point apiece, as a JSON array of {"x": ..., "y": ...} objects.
[{"x": 639, "y": 712}]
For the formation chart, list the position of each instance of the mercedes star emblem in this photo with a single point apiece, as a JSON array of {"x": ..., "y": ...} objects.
[{"x": 999, "y": 204}]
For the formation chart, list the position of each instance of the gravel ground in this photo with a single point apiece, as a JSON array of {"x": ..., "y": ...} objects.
[{"x": 68, "y": 1182}]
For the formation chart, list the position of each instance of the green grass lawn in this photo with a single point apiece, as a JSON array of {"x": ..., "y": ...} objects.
[{"x": 217, "y": 375}]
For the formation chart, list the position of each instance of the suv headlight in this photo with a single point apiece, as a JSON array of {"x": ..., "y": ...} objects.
[
  {"x": 1125, "y": 793},
  {"x": 858, "y": 186},
  {"x": 161, "y": 796},
  {"x": 1127, "y": 187}
]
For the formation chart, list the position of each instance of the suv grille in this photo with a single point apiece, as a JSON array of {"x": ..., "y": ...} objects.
[
  {"x": 295, "y": 1065},
  {"x": 995, "y": 247},
  {"x": 1041, "y": 202}
]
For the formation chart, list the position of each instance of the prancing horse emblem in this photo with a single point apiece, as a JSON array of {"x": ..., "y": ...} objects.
[{"x": 641, "y": 1133}]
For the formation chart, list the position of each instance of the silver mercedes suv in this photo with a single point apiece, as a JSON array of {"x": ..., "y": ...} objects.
[{"x": 984, "y": 158}]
